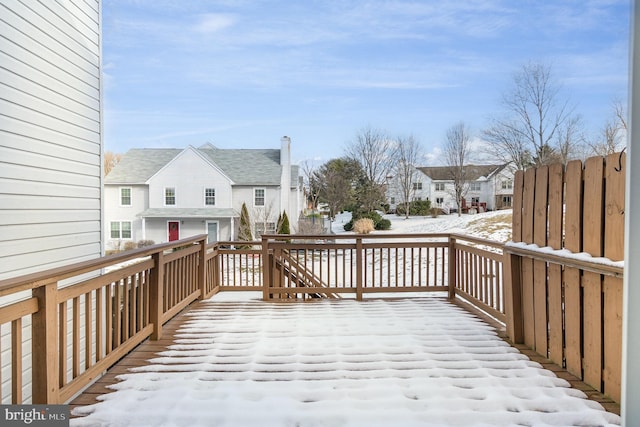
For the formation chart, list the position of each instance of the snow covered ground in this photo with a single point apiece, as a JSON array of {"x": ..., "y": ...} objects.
[
  {"x": 419, "y": 361},
  {"x": 494, "y": 225},
  {"x": 239, "y": 361}
]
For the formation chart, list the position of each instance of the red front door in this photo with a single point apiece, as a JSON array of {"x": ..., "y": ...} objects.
[{"x": 174, "y": 230}]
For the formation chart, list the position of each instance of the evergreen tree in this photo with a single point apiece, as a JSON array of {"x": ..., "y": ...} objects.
[
  {"x": 244, "y": 233},
  {"x": 283, "y": 224}
]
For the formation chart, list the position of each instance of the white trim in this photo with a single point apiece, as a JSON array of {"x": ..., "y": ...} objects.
[
  {"x": 130, "y": 196},
  {"x": 206, "y": 229},
  {"x": 264, "y": 197},
  {"x": 629, "y": 408},
  {"x": 164, "y": 196},
  {"x": 204, "y": 194}
]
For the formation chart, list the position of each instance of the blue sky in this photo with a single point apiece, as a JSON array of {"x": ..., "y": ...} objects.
[{"x": 243, "y": 73}]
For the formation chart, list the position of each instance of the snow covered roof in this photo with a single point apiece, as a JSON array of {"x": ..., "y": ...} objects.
[{"x": 396, "y": 362}]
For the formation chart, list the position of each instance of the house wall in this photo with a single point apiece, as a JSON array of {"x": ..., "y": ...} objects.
[
  {"x": 50, "y": 145},
  {"x": 117, "y": 212},
  {"x": 189, "y": 174},
  {"x": 50, "y": 135},
  {"x": 156, "y": 228}
]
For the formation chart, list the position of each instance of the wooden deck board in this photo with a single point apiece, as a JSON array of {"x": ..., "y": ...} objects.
[{"x": 150, "y": 349}]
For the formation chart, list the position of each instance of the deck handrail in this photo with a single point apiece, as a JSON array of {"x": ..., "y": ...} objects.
[{"x": 84, "y": 319}]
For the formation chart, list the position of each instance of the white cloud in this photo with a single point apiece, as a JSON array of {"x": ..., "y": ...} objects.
[{"x": 214, "y": 22}]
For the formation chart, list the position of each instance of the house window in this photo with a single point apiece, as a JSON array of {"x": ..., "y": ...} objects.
[
  {"x": 439, "y": 186},
  {"x": 417, "y": 186},
  {"x": 120, "y": 229},
  {"x": 475, "y": 200},
  {"x": 417, "y": 199},
  {"x": 170, "y": 196},
  {"x": 125, "y": 196},
  {"x": 393, "y": 200},
  {"x": 507, "y": 185},
  {"x": 210, "y": 196},
  {"x": 439, "y": 200},
  {"x": 258, "y": 196},
  {"x": 265, "y": 228},
  {"x": 475, "y": 186},
  {"x": 506, "y": 200}
]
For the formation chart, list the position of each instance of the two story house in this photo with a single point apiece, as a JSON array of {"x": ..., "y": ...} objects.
[
  {"x": 167, "y": 194},
  {"x": 489, "y": 186}
]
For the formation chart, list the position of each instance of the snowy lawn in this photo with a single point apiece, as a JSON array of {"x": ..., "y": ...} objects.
[{"x": 418, "y": 361}]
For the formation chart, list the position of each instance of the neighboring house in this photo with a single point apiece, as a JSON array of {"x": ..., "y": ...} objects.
[
  {"x": 168, "y": 194},
  {"x": 50, "y": 149},
  {"x": 419, "y": 189},
  {"x": 489, "y": 186},
  {"x": 50, "y": 135}
]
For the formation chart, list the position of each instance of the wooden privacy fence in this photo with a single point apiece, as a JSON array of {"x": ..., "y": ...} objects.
[{"x": 565, "y": 300}]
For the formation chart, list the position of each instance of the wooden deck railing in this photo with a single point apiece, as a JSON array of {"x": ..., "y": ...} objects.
[
  {"x": 85, "y": 317},
  {"x": 80, "y": 330}
]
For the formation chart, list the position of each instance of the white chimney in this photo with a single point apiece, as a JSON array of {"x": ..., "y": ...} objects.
[{"x": 285, "y": 178}]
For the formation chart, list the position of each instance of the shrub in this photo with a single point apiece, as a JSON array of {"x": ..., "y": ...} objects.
[
  {"x": 128, "y": 245},
  {"x": 416, "y": 208},
  {"x": 379, "y": 223},
  {"x": 363, "y": 226},
  {"x": 283, "y": 224},
  {"x": 435, "y": 212},
  {"x": 143, "y": 243}
]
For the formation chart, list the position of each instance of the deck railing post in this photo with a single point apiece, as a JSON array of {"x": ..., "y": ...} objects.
[
  {"x": 202, "y": 269},
  {"x": 359, "y": 268},
  {"x": 451, "y": 279},
  {"x": 513, "y": 297},
  {"x": 44, "y": 346},
  {"x": 156, "y": 295},
  {"x": 267, "y": 269}
]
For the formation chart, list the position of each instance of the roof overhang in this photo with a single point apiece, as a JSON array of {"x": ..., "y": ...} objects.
[{"x": 188, "y": 213}]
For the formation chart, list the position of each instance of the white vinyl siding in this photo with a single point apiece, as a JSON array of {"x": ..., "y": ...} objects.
[
  {"x": 50, "y": 135},
  {"x": 50, "y": 145}
]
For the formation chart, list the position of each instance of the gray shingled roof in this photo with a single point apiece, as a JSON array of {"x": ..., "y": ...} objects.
[
  {"x": 243, "y": 166},
  {"x": 474, "y": 172}
]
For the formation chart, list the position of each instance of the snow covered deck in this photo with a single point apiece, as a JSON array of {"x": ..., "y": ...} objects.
[{"x": 425, "y": 361}]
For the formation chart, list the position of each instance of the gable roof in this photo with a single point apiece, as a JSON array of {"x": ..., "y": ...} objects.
[
  {"x": 474, "y": 172},
  {"x": 242, "y": 166}
]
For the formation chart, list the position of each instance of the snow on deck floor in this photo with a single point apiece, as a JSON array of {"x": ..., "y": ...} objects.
[{"x": 402, "y": 362}]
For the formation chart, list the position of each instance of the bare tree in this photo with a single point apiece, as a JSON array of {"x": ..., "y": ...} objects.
[
  {"x": 570, "y": 140},
  {"x": 507, "y": 144},
  {"x": 376, "y": 154},
  {"x": 409, "y": 153},
  {"x": 456, "y": 154},
  {"x": 612, "y": 136},
  {"x": 110, "y": 159},
  {"x": 535, "y": 114}
]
